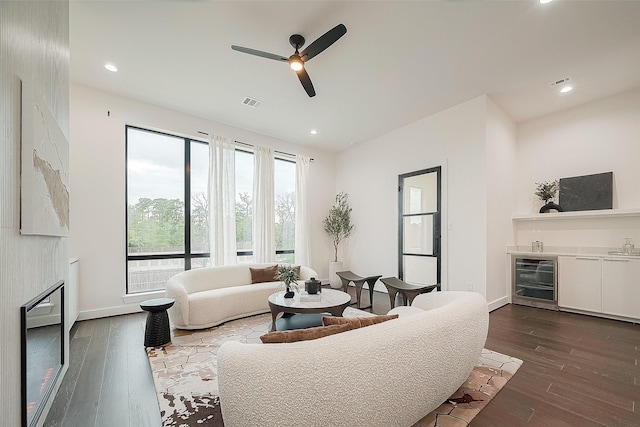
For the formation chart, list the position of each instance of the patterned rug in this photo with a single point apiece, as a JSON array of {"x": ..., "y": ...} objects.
[{"x": 185, "y": 376}]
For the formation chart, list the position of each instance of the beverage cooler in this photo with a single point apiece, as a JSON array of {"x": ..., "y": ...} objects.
[{"x": 534, "y": 281}]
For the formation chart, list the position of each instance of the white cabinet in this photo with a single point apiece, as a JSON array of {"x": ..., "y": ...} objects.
[
  {"x": 621, "y": 287},
  {"x": 580, "y": 283},
  {"x": 610, "y": 286}
]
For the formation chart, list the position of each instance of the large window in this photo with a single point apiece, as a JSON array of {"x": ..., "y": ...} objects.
[
  {"x": 168, "y": 209},
  {"x": 285, "y": 203}
]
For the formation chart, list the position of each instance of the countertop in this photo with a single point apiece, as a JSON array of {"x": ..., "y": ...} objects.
[{"x": 571, "y": 251}]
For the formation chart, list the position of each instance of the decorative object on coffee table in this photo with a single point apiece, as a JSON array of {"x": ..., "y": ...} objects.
[
  {"x": 408, "y": 291},
  {"x": 312, "y": 286},
  {"x": 348, "y": 276},
  {"x": 288, "y": 275},
  {"x": 157, "y": 333},
  {"x": 338, "y": 226},
  {"x": 546, "y": 191}
]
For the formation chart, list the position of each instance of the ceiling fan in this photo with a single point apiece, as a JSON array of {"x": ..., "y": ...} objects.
[{"x": 298, "y": 59}]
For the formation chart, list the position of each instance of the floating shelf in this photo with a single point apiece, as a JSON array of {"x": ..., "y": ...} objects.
[{"x": 604, "y": 213}]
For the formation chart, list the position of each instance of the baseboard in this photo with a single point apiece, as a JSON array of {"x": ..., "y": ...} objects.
[
  {"x": 500, "y": 302},
  {"x": 135, "y": 308},
  {"x": 108, "y": 312},
  {"x": 602, "y": 315}
]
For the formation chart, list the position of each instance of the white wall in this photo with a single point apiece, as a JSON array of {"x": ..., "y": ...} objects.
[
  {"x": 490, "y": 167},
  {"x": 34, "y": 42},
  {"x": 368, "y": 172},
  {"x": 501, "y": 198},
  {"x": 601, "y": 136},
  {"x": 97, "y": 158}
]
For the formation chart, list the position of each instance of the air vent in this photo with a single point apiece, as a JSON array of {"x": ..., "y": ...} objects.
[
  {"x": 560, "y": 82},
  {"x": 252, "y": 102}
]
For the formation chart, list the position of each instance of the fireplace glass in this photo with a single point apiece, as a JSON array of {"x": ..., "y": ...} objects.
[{"x": 42, "y": 321}]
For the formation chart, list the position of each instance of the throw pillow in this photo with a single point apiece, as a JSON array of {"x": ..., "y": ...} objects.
[
  {"x": 296, "y": 268},
  {"x": 261, "y": 275},
  {"x": 304, "y": 334},
  {"x": 357, "y": 322}
]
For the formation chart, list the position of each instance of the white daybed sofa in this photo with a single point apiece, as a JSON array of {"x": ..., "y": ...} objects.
[
  {"x": 209, "y": 296},
  {"x": 388, "y": 374}
]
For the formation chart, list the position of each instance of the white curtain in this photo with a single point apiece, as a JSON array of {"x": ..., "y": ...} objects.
[
  {"x": 264, "y": 241},
  {"x": 302, "y": 211},
  {"x": 222, "y": 201}
]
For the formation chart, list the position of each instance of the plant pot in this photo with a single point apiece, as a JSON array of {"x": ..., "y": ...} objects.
[
  {"x": 289, "y": 293},
  {"x": 334, "y": 280},
  {"x": 549, "y": 207}
]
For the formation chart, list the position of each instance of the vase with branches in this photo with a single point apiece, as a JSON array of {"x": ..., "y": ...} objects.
[
  {"x": 546, "y": 191},
  {"x": 338, "y": 226},
  {"x": 289, "y": 277}
]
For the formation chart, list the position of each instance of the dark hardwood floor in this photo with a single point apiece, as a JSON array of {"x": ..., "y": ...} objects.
[
  {"x": 109, "y": 380},
  {"x": 578, "y": 371}
]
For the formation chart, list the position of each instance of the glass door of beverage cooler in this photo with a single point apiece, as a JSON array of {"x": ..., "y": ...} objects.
[{"x": 535, "y": 281}]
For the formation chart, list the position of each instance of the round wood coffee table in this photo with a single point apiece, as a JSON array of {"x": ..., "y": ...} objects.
[{"x": 327, "y": 301}]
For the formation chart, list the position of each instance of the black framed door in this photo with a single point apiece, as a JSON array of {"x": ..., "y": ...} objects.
[{"x": 419, "y": 228}]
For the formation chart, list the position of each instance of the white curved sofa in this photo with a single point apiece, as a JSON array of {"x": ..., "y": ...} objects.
[
  {"x": 388, "y": 374},
  {"x": 207, "y": 297}
]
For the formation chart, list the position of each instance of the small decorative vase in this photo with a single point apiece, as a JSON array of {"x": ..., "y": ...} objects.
[
  {"x": 550, "y": 206},
  {"x": 289, "y": 293},
  {"x": 312, "y": 286}
]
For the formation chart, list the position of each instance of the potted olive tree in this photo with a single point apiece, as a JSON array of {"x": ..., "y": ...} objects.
[{"x": 338, "y": 226}]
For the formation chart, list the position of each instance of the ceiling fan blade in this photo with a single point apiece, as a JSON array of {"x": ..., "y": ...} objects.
[
  {"x": 259, "y": 53},
  {"x": 306, "y": 82},
  {"x": 323, "y": 42}
]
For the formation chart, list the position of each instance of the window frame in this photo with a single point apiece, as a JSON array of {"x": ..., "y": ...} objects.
[{"x": 187, "y": 255}]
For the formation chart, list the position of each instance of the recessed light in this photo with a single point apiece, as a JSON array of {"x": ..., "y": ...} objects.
[
  {"x": 566, "y": 89},
  {"x": 111, "y": 67},
  {"x": 313, "y": 132},
  {"x": 545, "y": 1}
]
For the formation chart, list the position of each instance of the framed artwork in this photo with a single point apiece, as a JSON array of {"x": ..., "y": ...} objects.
[
  {"x": 588, "y": 192},
  {"x": 44, "y": 191}
]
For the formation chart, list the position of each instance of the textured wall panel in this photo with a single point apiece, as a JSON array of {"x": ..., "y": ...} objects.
[{"x": 34, "y": 45}]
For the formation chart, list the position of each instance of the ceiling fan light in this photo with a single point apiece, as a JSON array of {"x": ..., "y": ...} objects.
[{"x": 295, "y": 62}]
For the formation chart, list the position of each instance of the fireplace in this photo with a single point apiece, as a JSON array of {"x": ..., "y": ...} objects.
[{"x": 43, "y": 349}]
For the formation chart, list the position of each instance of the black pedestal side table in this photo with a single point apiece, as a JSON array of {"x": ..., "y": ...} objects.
[{"x": 157, "y": 332}]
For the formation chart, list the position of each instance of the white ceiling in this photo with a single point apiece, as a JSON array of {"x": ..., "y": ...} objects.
[{"x": 400, "y": 61}]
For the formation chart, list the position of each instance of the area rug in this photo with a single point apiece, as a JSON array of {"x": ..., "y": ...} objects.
[{"x": 185, "y": 376}]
